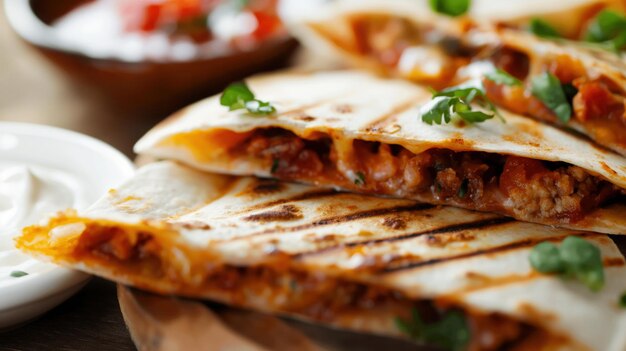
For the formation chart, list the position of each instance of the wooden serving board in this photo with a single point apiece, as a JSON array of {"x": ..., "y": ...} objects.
[{"x": 160, "y": 323}]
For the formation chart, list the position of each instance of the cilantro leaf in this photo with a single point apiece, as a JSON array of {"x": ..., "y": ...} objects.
[
  {"x": 543, "y": 29},
  {"x": 18, "y": 274},
  {"x": 450, "y": 332},
  {"x": 275, "y": 165},
  {"x": 547, "y": 88},
  {"x": 455, "y": 103},
  {"x": 501, "y": 77},
  {"x": 453, "y": 8},
  {"x": 238, "y": 96},
  {"x": 609, "y": 29},
  {"x": 576, "y": 258},
  {"x": 360, "y": 178},
  {"x": 622, "y": 300}
]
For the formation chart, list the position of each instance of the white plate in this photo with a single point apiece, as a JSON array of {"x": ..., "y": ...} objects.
[{"x": 99, "y": 165}]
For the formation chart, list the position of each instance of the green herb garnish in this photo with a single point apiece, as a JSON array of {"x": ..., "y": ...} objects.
[
  {"x": 501, "y": 77},
  {"x": 18, "y": 274},
  {"x": 547, "y": 88},
  {"x": 463, "y": 189},
  {"x": 576, "y": 258},
  {"x": 360, "y": 178},
  {"x": 275, "y": 164},
  {"x": 452, "y": 8},
  {"x": 455, "y": 103},
  {"x": 238, "y": 96},
  {"x": 450, "y": 332},
  {"x": 608, "y": 29},
  {"x": 543, "y": 29},
  {"x": 622, "y": 300}
]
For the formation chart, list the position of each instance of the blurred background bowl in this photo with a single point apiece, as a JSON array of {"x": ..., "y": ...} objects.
[{"x": 145, "y": 86}]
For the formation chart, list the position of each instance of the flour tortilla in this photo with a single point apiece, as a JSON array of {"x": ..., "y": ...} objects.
[
  {"x": 351, "y": 105},
  {"x": 200, "y": 223}
]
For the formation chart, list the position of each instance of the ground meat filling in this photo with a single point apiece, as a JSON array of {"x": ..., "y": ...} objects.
[
  {"x": 319, "y": 297},
  {"x": 520, "y": 187}
]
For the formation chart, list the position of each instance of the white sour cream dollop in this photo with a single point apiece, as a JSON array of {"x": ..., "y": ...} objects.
[{"x": 29, "y": 193}]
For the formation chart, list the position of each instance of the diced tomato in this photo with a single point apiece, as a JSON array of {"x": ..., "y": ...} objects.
[
  {"x": 595, "y": 100},
  {"x": 149, "y": 15},
  {"x": 518, "y": 171},
  {"x": 267, "y": 24}
]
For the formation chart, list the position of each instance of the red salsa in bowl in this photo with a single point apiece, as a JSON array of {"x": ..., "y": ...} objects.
[{"x": 155, "y": 55}]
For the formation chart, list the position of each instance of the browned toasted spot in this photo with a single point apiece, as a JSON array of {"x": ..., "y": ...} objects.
[
  {"x": 396, "y": 223},
  {"x": 329, "y": 238},
  {"x": 267, "y": 186},
  {"x": 532, "y": 314},
  {"x": 343, "y": 108},
  {"x": 305, "y": 118},
  {"x": 379, "y": 124},
  {"x": 192, "y": 225},
  {"x": 460, "y": 142},
  {"x": 443, "y": 240},
  {"x": 299, "y": 197},
  {"x": 613, "y": 261},
  {"x": 607, "y": 168},
  {"x": 283, "y": 213},
  {"x": 531, "y": 129}
]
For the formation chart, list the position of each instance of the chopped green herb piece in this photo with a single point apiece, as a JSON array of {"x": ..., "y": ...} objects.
[
  {"x": 18, "y": 274},
  {"x": 275, "y": 165},
  {"x": 543, "y": 29},
  {"x": 622, "y": 300},
  {"x": 452, "y": 8},
  {"x": 454, "y": 103},
  {"x": 360, "y": 178},
  {"x": 501, "y": 77},
  {"x": 450, "y": 332},
  {"x": 463, "y": 189},
  {"x": 293, "y": 285},
  {"x": 547, "y": 88},
  {"x": 609, "y": 29},
  {"x": 546, "y": 258},
  {"x": 238, "y": 96},
  {"x": 583, "y": 261},
  {"x": 576, "y": 258},
  {"x": 260, "y": 107}
]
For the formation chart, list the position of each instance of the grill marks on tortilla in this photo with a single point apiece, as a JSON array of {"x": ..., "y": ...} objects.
[
  {"x": 283, "y": 213},
  {"x": 389, "y": 117},
  {"x": 455, "y": 230},
  {"x": 495, "y": 250},
  {"x": 310, "y": 195}
]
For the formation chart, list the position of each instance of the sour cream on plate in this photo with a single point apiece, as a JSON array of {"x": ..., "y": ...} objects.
[{"x": 29, "y": 193}]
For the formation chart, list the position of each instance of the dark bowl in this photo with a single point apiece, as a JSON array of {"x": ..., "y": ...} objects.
[{"x": 145, "y": 86}]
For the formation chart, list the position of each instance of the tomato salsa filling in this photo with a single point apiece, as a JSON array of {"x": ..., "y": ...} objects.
[
  {"x": 317, "y": 296},
  {"x": 428, "y": 56},
  {"x": 516, "y": 186}
]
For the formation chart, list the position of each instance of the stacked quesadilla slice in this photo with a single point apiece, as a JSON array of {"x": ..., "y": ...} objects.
[
  {"x": 353, "y": 131},
  {"x": 443, "y": 276},
  {"x": 569, "y": 83}
]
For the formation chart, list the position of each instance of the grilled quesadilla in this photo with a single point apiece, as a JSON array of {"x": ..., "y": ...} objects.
[
  {"x": 575, "y": 85},
  {"x": 446, "y": 276},
  {"x": 356, "y": 132}
]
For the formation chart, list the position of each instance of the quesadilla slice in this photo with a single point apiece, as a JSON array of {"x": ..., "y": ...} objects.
[
  {"x": 575, "y": 85},
  {"x": 353, "y": 131},
  {"x": 446, "y": 276}
]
